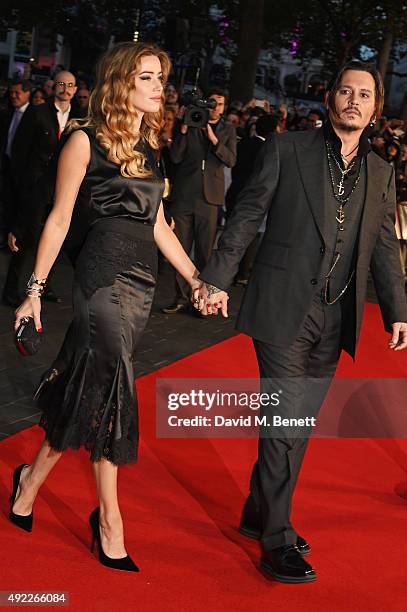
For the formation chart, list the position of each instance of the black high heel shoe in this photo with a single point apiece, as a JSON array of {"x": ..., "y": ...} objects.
[
  {"x": 24, "y": 522},
  {"x": 124, "y": 563}
]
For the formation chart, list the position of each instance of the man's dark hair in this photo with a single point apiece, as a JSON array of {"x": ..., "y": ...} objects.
[
  {"x": 217, "y": 91},
  {"x": 318, "y": 112},
  {"x": 25, "y": 84},
  {"x": 266, "y": 125},
  {"x": 364, "y": 67},
  {"x": 234, "y": 111},
  {"x": 257, "y": 111}
]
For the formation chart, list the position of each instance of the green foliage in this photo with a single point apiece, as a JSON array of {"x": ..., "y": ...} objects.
[{"x": 334, "y": 30}]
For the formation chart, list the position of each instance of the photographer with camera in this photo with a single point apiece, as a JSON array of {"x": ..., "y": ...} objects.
[{"x": 203, "y": 145}]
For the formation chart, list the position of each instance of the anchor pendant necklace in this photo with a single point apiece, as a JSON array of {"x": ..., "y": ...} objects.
[{"x": 338, "y": 195}]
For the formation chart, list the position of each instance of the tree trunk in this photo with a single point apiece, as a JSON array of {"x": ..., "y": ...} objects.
[
  {"x": 403, "y": 111},
  {"x": 346, "y": 52},
  {"x": 243, "y": 77},
  {"x": 384, "y": 53}
]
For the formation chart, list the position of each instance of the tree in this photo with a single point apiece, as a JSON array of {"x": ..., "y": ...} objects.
[
  {"x": 250, "y": 37},
  {"x": 337, "y": 30},
  {"x": 85, "y": 24}
]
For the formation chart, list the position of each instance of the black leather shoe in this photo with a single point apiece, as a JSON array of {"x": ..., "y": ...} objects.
[
  {"x": 302, "y": 546},
  {"x": 51, "y": 296},
  {"x": 251, "y": 532},
  {"x": 24, "y": 522},
  {"x": 175, "y": 308},
  {"x": 250, "y": 526},
  {"x": 286, "y": 564}
]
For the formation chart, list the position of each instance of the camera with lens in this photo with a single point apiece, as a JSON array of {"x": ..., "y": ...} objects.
[{"x": 197, "y": 111}]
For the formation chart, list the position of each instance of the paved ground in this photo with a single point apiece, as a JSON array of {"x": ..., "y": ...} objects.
[{"x": 166, "y": 339}]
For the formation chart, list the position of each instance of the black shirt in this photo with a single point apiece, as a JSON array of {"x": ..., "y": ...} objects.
[
  {"x": 333, "y": 140},
  {"x": 341, "y": 239}
]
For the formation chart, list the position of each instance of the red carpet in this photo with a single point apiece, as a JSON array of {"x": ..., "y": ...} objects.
[{"x": 182, "y": 502}]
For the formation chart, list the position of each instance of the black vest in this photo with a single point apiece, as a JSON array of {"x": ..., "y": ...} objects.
[{"x": 344, "y": 240}]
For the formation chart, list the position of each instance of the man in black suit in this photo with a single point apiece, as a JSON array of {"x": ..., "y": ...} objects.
[
  {"x": 33, "y": 150},
  {"x": 11, "y": 124},
  {"x": 200, "y": 156},
  {"x": 247, "y": 151},
  {"x": 331, "y": 203}
]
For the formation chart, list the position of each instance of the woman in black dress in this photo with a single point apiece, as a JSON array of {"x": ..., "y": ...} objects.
[{"x": 108, "y": 159}]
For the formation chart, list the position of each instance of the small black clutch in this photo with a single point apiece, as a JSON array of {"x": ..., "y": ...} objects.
[{"x": 27, "y": 339}]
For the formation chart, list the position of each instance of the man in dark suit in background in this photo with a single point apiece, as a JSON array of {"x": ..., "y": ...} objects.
[
  {"x": 331, "y": 207},
  {"x": 199, "y": 188},
  {"x": 11, "y": 126},
  {"x": 37, "y": 142},
  {"x": 247, "y": 151}
]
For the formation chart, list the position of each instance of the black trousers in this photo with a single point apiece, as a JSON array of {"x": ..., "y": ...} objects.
[
  {"x": 195, "y": 225},
  {"x": 17, "y": 266},
  {"x": 304, "y": 372}
]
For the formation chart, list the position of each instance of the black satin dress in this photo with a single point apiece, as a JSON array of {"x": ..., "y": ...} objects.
[{"x": 92, "y": 401}]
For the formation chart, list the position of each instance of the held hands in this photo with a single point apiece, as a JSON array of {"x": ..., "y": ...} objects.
[
  {"x": 209, "y": 299},
  {"x": 398, "y": 340}
]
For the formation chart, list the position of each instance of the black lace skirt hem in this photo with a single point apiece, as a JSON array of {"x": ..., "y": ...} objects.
[{"x": 78, "y": 410}]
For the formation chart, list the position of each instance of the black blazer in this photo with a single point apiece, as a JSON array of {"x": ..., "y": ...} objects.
[
  {"x": 289, "y": 181},
  {"x": 13, "y": 169},
  {"x": 33, "y": 151},
  {"x": 38, "y": 141},
  {"x": 189, "y": 150},
  {"x": 17, "y": 165}
]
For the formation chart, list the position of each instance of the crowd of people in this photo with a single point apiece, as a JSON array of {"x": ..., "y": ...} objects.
[{"x": 32, "y": 119}]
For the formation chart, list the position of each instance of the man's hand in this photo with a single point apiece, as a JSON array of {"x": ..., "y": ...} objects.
[
  {"x": 398, "y": 340},
  {"x": 12, "y": 242},
  {"x": 211, "y": 135},
  {"x": 180, "y": 117},
  {"x": 209, "y": 299}
]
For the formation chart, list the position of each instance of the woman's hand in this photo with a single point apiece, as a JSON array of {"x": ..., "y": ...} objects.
[
  {"x": 208, "y": 299},
  {"x": 31, "y": 307},
  {"x": 195, "y": 285}
]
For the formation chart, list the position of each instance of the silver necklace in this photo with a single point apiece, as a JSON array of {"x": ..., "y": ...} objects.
[
  {"x": 328, "y": 301},
  {"x": 341, "y": 189},
  {"x": 340, "y": 212}
]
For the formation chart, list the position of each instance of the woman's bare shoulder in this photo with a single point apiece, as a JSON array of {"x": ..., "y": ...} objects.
[{"x": 77, "y": 145}]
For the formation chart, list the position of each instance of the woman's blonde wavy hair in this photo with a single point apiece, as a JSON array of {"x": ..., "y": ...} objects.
[{"x": 110, "y": 113}]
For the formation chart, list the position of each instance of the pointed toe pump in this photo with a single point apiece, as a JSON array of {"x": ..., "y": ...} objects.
[
  {"x": 24, "y": 522},
  {"x": 124, "y": 563}
]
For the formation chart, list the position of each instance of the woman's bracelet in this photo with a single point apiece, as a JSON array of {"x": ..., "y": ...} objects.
[
  {"x": 36, "y": 281},
  {"x": 35, "y": 286},
  {"x": 34, "y": 291}
]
